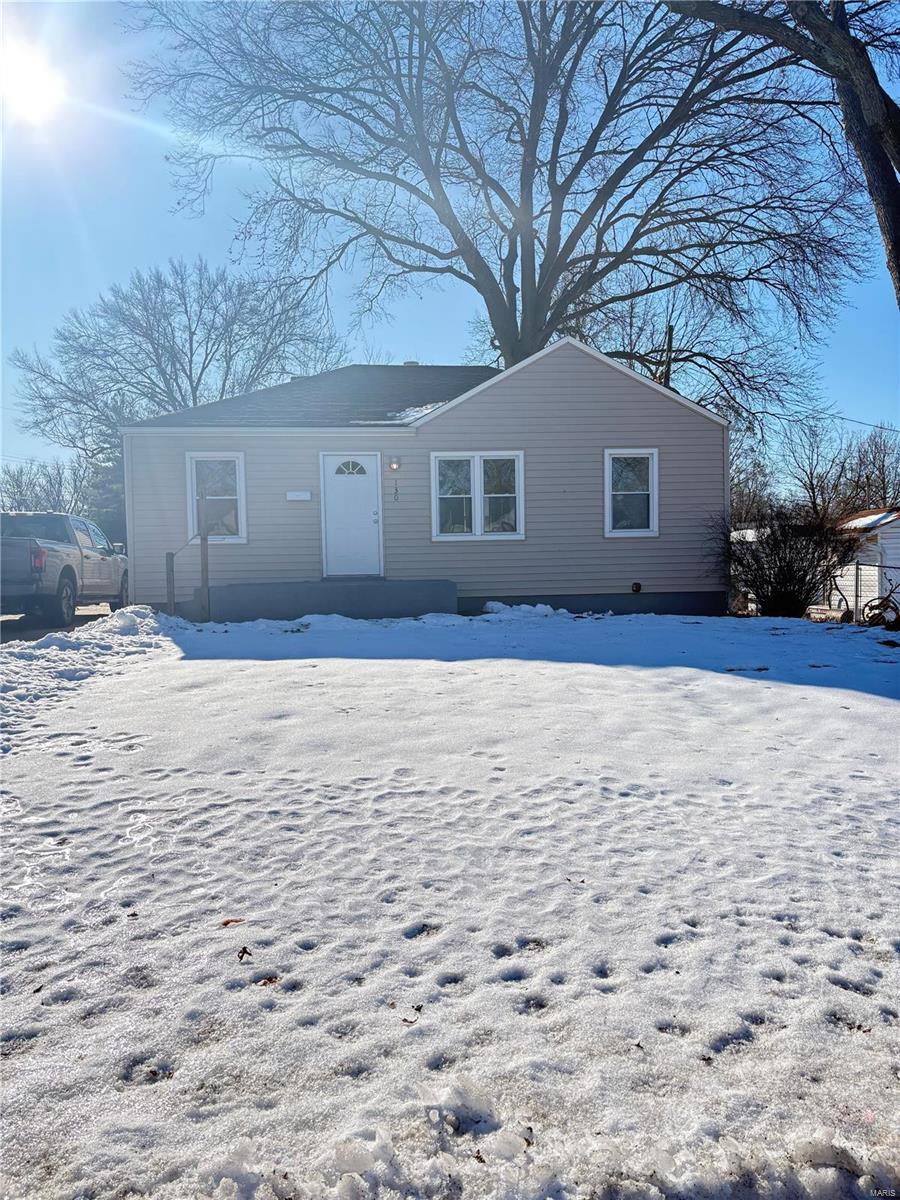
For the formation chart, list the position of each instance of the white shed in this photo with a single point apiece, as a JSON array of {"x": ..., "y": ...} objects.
[{"x": 878, "y": 558}]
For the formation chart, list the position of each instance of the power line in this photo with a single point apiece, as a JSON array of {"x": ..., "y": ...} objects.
[
  {"x": 868, "y": 424},
  {"x": 34, "y": 462},
  {"x": 789, "y": 419}
]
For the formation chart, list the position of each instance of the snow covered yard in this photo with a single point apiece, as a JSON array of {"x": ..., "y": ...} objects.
[{"x": 523, "y": 905}]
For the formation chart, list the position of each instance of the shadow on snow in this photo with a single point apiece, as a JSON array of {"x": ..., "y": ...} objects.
[{"x": 766, "y": 650}]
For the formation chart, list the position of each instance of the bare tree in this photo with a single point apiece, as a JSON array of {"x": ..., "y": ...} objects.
[
  {"x": 752, "y": 480},
  {"x": 686, "y": 340},
  {"x": 839, "y": 42},
  {"x": 560, "y": 159},
  {"x": 169, "y": 339},
  {"x": 873, "y": 470},
  {"x": 834, "y": 473},
  {"x": 816, "y": 465},
  {"x": 57, "y": 486}
]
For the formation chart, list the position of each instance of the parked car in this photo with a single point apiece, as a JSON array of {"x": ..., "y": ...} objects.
[{"x": 52, "y": 562}]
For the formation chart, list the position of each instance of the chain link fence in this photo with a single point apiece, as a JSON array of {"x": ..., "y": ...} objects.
[{"x": 859, "y": 583}]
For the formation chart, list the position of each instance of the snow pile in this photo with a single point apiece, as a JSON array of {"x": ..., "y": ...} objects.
[
  {"x": 46, "y": 670},
  {"x": 520, "y": 906}
]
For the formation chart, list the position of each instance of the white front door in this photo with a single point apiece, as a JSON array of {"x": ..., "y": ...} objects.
[{"x": 351, "y": 514}]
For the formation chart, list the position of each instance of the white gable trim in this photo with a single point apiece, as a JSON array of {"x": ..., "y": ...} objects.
[{"x": 595, "y": 354}]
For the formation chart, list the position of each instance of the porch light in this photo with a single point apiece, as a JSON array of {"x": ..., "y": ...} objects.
[{"x": 394, "y": 464}]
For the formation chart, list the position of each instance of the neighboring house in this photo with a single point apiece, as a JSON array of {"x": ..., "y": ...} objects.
[
  {"x": 878, "y": 558},
  {"x": 389, "y": 490}
]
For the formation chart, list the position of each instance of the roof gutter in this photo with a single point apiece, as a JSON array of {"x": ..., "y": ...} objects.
[{"x": 298, "y": 430}]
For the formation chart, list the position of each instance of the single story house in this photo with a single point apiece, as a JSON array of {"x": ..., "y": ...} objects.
[
  {"x": 877, "y": 565},
  {"x": 395, "y": 490}
]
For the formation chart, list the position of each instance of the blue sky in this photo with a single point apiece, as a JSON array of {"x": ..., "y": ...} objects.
[{"x": 88, "y": 198}]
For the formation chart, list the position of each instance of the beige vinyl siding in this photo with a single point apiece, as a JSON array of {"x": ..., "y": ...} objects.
[{"x": 562, "y": 411}]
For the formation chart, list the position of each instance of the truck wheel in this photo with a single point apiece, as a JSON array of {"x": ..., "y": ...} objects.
[
  {"x": 61, "y": 609},
  {"x": 121, "y": 601}
]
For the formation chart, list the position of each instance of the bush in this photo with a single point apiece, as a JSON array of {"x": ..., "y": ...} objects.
[{"x": 787, "y": 561}]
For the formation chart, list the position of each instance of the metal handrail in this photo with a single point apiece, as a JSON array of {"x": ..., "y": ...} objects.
[{"x": 203, "y": 538}]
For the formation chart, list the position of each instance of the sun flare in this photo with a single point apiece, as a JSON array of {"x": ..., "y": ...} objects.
[{"x": 33, "y": 89}]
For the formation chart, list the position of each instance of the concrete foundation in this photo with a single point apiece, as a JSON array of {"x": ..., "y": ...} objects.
[
  {"x": 346, "y": 597},
  {"x": 703, "y": 604}
]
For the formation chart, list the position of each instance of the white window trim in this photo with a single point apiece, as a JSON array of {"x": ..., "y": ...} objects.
[
  {"x": 192, "y": 456},
  {"x": 608, "y": 456},
  {"x": 476, "y": 457}
]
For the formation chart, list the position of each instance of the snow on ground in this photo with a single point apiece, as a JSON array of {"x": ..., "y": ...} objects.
[{"x": 523, "y": 905}]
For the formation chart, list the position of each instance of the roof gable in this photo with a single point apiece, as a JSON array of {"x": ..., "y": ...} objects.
[{"x": 596, "y": 355}]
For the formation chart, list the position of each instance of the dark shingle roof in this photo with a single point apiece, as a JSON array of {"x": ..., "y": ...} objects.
[{"x": 357, "y": 395}]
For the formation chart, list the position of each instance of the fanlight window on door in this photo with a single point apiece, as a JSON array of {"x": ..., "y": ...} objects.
[{"x": 350, "y": 467}]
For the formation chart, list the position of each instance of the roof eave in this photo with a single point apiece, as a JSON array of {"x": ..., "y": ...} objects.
[{"x": 259, "y": 429}]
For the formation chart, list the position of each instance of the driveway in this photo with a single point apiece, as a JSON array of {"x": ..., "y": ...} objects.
[{"x": 18, "y": 627}]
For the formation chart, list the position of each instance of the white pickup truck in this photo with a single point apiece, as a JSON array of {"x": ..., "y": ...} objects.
[{"x": 52, "y": 562}]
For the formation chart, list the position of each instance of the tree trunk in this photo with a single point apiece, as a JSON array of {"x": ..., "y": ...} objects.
[
  {"x": 871, "y": 117},
  {"x": 853, "y": 64},
  {"x": 881, "y": 179}
]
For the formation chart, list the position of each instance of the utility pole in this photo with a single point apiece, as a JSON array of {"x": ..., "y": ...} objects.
[{"x": 667, "y": 365}]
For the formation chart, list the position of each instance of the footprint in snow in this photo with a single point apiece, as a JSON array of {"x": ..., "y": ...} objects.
[
  {"x": 439, "y": 1061},
  {"x": 139, "y": 976},
  {"x": 13, "y": 1041},
  {"x": 531, "y": 943},
  {"x": 449, "y": 979},
  {"x": 531, "y": 1005},
  {"x": 354, "y": 1069},
  {"x": 342, "y": 1030},
  {"x": 654, "y": 964},
  {"x": 145, "y": 1069},
  {"x": 845, "y": 1021},
  {"x": 420, "y": 929},
  {"x": 851, "y": 985},
  {"x": 61, "y": 995},
  {"x": 732, "y": 1039},
  {"x": 675, "y": 1028}
]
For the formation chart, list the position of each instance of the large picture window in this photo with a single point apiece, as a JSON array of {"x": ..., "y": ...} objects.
[
  {"x": 477, "y": 495},
  {"x": 631, "y": 493},
  {"x": 216, "y": 490}
]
